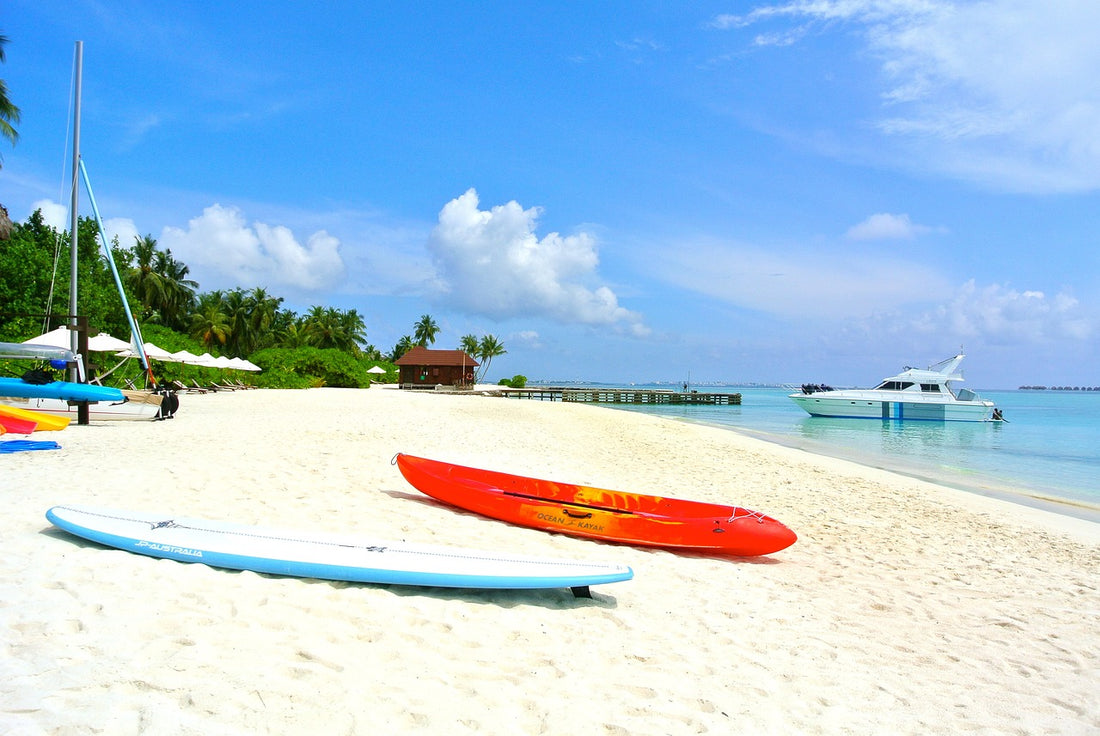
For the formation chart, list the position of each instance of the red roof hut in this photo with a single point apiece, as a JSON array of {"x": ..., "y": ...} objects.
[{"x": 423, "y": 368}]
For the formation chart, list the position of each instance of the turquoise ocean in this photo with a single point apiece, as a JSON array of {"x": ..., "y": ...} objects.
[{"x": 1046, "y": 455}]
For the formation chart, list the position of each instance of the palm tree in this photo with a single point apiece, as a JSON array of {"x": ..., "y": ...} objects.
[
  {"x": 179, "y": 291},
  {"x": 9, "y": 114},
  {"x": 487, "y": 349},
  {"x": 209, "y": 323},
  {"x": 404, "y": 345},
  {"x": 293, "y": 335},
  {"x": 426, "y": 330},
  {"x": 469, "y": 344},
  {"x": 263, "y": 312},
  {"x": 319, "y": 326},
  {"x": 327, "y": 327},
  {"x": 285, "y": 330},
  {"x": 236, "y": 309},
  {"x": 160, "y": 283},
  {"x": 143, "y": 279},
  {"x": 353, "y": 331}
]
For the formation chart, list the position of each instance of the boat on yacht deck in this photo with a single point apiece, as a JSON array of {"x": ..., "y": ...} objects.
[{"x": 914, "y": 394}]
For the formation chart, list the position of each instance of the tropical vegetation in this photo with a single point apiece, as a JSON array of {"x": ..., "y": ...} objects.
[
  {"x": 324, "y": 346},
  {"x": 9, "y": 114},
  {"x": 484, "y": 349}
]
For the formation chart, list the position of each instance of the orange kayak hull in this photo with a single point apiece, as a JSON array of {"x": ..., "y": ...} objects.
[{"x": 597, "y": 513}]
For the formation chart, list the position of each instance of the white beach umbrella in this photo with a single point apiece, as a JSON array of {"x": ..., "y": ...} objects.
[
  {"x": 62, "y": 336},
  {"x": 376, "y": 369},
  {"x": 152, "y": 351},
  {"x": 58, "y": 338},
  {"x": 222, "y": 362},
  {"x": 207, "y": 360},
  {"x": 184, "y": 356},
  {"x": 104, "y": 343}
]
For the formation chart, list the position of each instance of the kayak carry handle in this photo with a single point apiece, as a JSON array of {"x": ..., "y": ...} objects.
[{"x": 576, "y": 515}]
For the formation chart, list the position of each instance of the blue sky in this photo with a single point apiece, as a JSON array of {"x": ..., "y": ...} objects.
[{"x": 619, "y": 191}]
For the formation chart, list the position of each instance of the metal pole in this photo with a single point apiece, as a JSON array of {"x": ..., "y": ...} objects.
[
  {"x": 74, "y": 215},
  {"x": 135, "y": 331}
]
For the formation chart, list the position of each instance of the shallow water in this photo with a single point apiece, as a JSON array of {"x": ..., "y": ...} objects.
[{"x": 1049, "y": 449}]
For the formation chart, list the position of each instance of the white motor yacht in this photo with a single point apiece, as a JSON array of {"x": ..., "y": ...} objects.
[{"x": 913, "y": 394}]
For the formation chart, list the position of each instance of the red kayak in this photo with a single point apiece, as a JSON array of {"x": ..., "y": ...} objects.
[
  {"x": 17, "y": 425},
  {"x": 583, "y": 511}
]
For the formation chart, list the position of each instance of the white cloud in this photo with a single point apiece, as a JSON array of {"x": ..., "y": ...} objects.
[
  {"x": 1001, "y": 314},
  {"x": 137, "y": 129},
  {"x": 806, "y": 284},
  {"x": 57, "y": 216},
  {"x": 220, "y": 241},
  {"x": 122, "y": 228},
  {"x": 1003, "y": 91},
  {"x": 885, "y": 226},
  {"x": 53, "y": 214},
  {"x": 492, "y": 263},
  {"x": 529, "y": 338}
]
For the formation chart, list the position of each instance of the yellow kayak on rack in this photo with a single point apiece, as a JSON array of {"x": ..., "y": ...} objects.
[{"x": 46, "y": 422}]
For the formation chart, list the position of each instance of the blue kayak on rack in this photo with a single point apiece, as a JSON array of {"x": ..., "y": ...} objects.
[{"x": 65, "y": 390}]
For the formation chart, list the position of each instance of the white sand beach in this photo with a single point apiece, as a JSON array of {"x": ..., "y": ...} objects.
[{"x": 904, "y": 607}]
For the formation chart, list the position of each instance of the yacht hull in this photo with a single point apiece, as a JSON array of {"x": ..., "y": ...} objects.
[{"x": 872, "y": 407}]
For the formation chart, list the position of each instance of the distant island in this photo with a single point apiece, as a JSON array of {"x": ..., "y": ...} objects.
[{"x": 1059, "y": 388}]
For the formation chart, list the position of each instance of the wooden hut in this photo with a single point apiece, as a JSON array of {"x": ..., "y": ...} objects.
[{"x": 424, "y": 368}]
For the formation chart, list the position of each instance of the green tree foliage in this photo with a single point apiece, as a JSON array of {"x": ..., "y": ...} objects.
[
  {"x": 9, "y": 113},
  {"x": 263, "y": 313},
  {"x": 34, "y": 279},
  {"x": 425, "y": 331},
  {"x": 209, "y": 323},
  {"x": 469, "y": 343},
  {"x": 160, "y": 284},
  {"x": 484, "y": 349},
  {"x": 489, "y": 347},
  {"x": 26, "y": 262},
  {"x": 325, "y": 327},
  {"x": 311, "y": 367},
  {"x": 404, "y": 345}
]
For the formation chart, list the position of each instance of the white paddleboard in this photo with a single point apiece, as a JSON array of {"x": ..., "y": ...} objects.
[{"x": 325, "y": 556}]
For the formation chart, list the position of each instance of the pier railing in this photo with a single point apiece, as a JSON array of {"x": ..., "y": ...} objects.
[{"x": 621, "y": 396}]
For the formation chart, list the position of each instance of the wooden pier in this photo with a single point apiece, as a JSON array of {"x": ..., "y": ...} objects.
[{"x": 621, "y": 396}]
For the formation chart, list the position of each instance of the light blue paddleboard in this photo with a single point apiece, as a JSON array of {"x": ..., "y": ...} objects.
[
  {"x": 64, "y": 390},
  {"x": 325, "y": 556}
]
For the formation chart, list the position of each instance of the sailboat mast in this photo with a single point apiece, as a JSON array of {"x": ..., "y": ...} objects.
[{"x": 74, "y": 215}]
